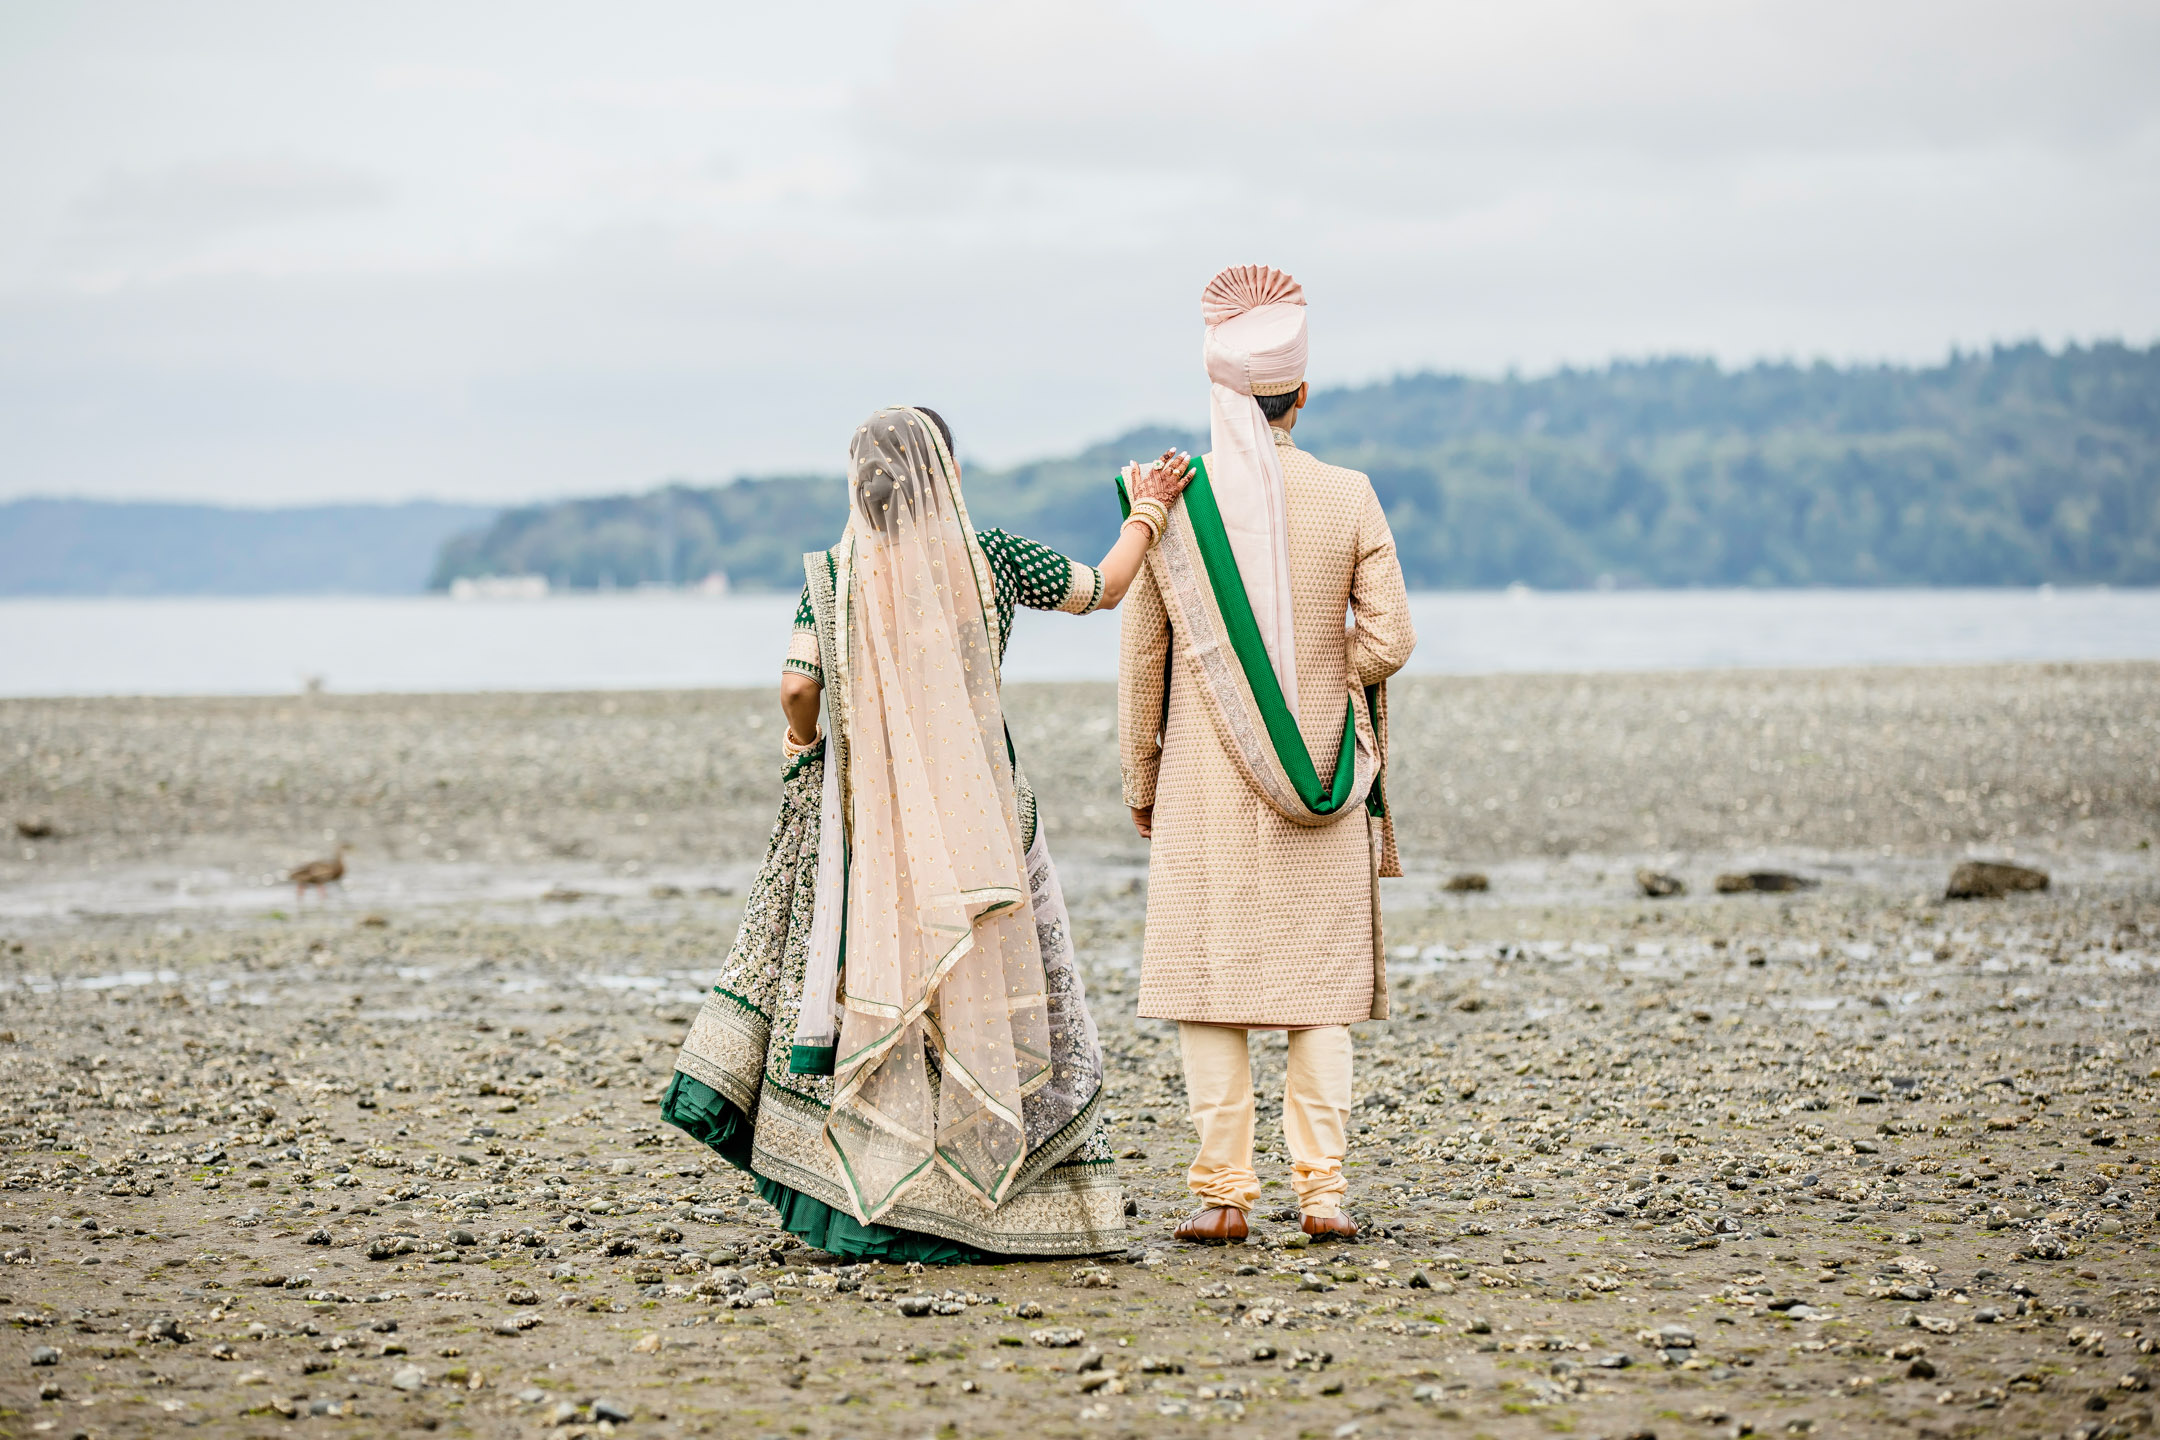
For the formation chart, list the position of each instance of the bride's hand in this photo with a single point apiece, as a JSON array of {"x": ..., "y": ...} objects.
[{"x": 1163, "y": 479}]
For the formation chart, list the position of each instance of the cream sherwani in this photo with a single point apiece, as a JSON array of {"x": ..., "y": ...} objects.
[{"x": 1252, "y": 921}]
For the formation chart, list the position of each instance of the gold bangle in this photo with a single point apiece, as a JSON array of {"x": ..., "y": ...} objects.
[
  {"x": 1146, "y": 523},
  {"x": 1154, "y": 514}
]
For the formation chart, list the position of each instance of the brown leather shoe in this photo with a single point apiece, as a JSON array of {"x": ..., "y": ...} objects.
[
  {"x": 1216, "y": 1225},
  {"x": 1330, "y": 1227}
]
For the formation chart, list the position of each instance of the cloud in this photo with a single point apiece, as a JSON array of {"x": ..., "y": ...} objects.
[
  {"x": 170, "y": 212},
  {"x": 1054, "y": 84},
  {"x": 592, "y": 250}
]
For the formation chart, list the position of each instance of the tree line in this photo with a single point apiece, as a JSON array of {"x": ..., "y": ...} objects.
[{"x": 2013, "y": 466}]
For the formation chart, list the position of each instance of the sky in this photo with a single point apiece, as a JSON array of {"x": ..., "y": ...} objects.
[{"x": 275, "y": 254}]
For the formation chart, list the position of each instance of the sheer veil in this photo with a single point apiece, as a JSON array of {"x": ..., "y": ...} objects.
[{"x": 944, "y": 1027}]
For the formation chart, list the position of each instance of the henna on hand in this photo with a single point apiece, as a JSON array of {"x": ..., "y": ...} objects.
[{"x": 1164, "y": 479}]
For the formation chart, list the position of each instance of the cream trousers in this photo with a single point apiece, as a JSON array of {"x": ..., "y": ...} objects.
[{"x": 1316, "y": 1108}]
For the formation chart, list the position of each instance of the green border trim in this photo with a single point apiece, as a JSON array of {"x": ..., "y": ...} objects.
[
  {"x": 707, "y": 1116},
  {"x": 811, "y": 1059}
]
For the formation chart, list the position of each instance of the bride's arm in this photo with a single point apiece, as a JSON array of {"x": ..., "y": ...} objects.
[
  {"x": 1162, "y": 481},
  {"x": 799, "y": 696}
]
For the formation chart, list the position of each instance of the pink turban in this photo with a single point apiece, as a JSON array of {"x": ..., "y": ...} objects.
[
  {"x": 1247, "y": 287},
  {"x": 1255, "y": 346},
  {"x": 1256, "y": 330}
]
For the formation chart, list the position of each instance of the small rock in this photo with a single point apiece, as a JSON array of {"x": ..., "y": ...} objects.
[
  {"x": 1058, "y": 1339},
  {"x": 1920, "y": 1369},
  {"x": 408, "y": 1378},
  {"x": 44, "y": 1355},
  {"x": 914, "y": 1306},
  {"x": 1656, "y": 886},
  {"x": 1991, "y": 880},
  {"x": 1470, "y": 881},
  {"x": 621, "y": 1412},
  {"x": 1763, "y": 882}
]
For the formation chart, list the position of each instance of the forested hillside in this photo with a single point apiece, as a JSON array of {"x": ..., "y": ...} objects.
[
  {"x": 2012, "y": 467},
  {"x": 2007, "y": 468}
]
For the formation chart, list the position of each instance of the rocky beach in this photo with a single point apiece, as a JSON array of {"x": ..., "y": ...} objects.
[{"x": 1819, "y": 1152}]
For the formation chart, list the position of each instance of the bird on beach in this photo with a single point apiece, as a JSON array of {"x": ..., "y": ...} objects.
[{"x": 321, "y": 874}]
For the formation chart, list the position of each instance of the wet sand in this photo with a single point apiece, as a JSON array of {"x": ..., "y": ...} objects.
[{"x": 1848, "y": 1160}]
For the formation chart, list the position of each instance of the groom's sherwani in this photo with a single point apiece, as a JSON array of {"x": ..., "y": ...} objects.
[{"x": 1253, "y": 920}]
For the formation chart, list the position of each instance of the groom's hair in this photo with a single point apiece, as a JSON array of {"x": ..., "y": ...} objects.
[{"x": 1277, "y": 406}]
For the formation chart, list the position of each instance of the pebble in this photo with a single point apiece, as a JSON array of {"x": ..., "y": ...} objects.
[{"x": 1992, "y": 880}]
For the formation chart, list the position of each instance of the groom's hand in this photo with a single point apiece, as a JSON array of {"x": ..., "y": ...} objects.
[{"x": 1143, "y": 820}]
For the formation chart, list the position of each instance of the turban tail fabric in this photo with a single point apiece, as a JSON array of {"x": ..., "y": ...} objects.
[
  {"x": 944, "y": 1027},
  {"x": 1255, "y": 345}
]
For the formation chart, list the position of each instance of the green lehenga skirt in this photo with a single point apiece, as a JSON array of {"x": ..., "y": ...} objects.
[{"x": 736, "y": 1089}]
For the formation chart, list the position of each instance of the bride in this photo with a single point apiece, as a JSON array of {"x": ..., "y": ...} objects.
[{"x": 899, "y": 1051}]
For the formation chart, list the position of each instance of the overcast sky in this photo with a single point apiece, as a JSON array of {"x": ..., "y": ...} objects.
[{"x": 279, "y": 253}]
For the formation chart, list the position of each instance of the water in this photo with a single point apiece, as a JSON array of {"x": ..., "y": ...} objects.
[{"x": 670, "y": 641}]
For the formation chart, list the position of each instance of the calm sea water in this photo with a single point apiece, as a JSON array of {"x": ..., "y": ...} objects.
[{"x": 646, "y": 640}]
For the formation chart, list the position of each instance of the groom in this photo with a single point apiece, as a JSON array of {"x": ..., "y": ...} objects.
[{"x": 1253, "y": 739}]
